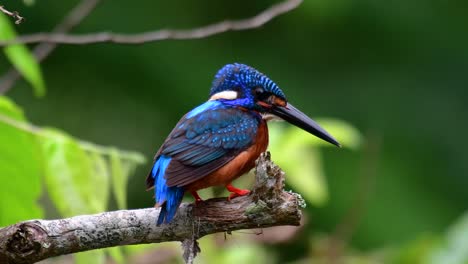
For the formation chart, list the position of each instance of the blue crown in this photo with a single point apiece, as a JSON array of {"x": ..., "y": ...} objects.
[{"x": 244, "y": 76}]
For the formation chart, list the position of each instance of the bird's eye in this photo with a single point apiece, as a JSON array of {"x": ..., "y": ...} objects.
[
  {"x": 258, "y": 91},
  {"x": 260, "y": 94}
]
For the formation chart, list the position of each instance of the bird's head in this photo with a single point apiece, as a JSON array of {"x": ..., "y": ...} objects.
[{"x": 243, "y": 86}]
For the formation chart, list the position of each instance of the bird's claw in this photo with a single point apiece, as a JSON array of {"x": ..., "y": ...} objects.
[
  {"x": 197, "y": 197},
  {"x": 238, "y": 193},
  {"x": 198, "y": 201}
]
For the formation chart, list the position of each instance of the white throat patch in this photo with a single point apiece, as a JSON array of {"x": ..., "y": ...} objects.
[
  {"x": 271, "y": 117},
  {"x": 229, "y": 95}
]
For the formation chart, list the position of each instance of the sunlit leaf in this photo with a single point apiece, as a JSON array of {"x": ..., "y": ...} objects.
[
  {"x": 21, "y": 58},
  {"x": 295, "y": 151},
  {"x": 20, "y": 185},
  {"x": 129, "y": 167},
  {"x": 124, "y": 168},
  {"x": 309, "y": 178},
  {"x": 68, "y": 174},
  {"x": 346, "y": 134},
  {"x": 101, "y": 182},
  {"x": 119, "y": 179},
  {"x": 301, "y": 163},
  {"x": 113, "y": 171}
]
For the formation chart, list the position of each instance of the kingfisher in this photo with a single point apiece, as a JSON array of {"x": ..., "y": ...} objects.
[{"x": 220, "y": 140}]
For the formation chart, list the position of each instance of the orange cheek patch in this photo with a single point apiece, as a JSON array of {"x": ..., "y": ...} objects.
[{"x": 279, "y": 102}]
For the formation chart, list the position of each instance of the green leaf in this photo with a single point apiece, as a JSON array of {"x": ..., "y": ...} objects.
[
  {"x": 76, "y": 174},
  {"x": 119, "y": 179},
  {"x": 296, "y": 152},
  {"x": 69, "y": 174},
  {"x": 121, "y": 170},
  {"x": 19, "y": 168},
  {"x": 101, "y": 182},
  {"x": 302, "y": 164},
  {"x": 346, "y": 134},
  {"x": 21, "y": 58}
]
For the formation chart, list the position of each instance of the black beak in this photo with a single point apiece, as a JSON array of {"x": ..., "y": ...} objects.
[{"x": 292, "y": 115}]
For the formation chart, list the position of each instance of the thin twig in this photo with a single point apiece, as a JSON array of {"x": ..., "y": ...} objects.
[
  {"x": 14, "y": 14},
  {"x": 41, "y": 51},
  {"x": 85, "y": 145},
  {"x": 165, "y": 34}
]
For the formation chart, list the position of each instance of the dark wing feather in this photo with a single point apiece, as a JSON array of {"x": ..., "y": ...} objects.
[
  {"x": 182, "y": 175},
  {"x": 202, "y": 143}
]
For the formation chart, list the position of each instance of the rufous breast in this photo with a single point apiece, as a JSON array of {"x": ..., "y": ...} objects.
[{"x": 240, "y": 165}]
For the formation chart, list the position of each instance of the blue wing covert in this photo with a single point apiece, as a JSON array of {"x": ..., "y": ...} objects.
[{"x": 204, "y": 140}]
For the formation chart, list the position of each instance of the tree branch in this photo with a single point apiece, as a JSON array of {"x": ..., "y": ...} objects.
[
  {"x": 14, "y": 14},
  {"x": 165, "y": 34},
  {"x": 267, "y": 205},
  {"x": 41, "y": 51}
]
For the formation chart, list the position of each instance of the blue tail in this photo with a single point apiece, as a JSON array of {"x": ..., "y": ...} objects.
[{"x": 169, "y": 198}]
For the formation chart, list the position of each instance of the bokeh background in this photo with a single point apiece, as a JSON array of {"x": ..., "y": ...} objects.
[{"x": 395, "y": 70}]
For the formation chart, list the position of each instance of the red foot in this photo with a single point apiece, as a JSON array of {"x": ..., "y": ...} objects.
[
  {"x": 197, "y": 197},
  {"x": 235, "y": 192}
]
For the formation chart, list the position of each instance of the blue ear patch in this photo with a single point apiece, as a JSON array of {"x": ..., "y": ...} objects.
[{"x": 203, "y": 107}]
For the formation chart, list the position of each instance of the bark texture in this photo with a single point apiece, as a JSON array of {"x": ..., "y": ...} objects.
[{"x": 267, "y": 205}]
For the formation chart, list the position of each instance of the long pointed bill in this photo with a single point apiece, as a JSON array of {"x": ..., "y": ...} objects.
[{"x": 292, "y": 115}]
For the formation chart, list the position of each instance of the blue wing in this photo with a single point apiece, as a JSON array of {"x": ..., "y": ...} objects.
[{"x": 204, "y": 140}]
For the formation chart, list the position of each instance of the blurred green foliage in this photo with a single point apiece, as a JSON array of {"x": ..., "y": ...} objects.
[
  {"x": 19, "y": 169},
  {"x": 296, "y": 152},
  {"x": 396, "y": 70},
  {"x": 75, "y": 174}
]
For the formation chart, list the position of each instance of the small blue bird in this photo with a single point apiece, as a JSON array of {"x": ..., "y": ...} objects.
[{"x": 220, "y": 140}]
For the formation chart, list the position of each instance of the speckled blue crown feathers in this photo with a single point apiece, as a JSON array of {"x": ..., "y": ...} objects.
[{"x": 244, "y": 76}]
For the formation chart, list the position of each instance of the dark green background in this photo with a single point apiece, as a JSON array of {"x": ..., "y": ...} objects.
[{"x": 396, "y": 70}]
